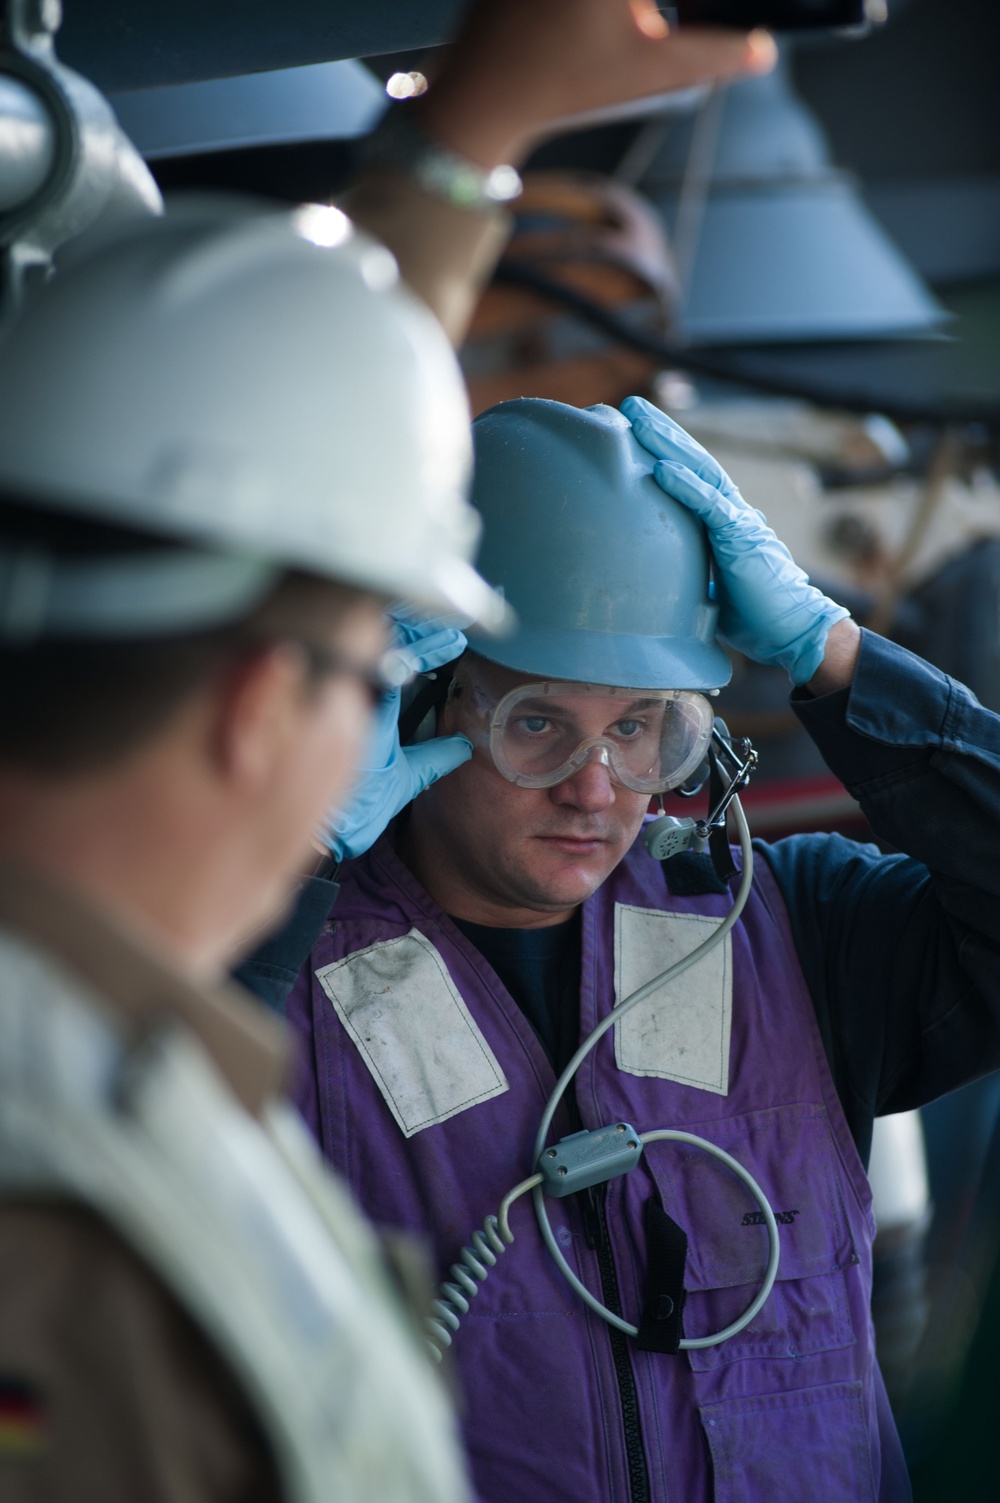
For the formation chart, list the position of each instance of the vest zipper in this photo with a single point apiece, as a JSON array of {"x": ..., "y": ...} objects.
[{"x": 595, "y": 1224}]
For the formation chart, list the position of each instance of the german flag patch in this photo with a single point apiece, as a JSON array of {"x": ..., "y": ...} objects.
[{"x": 22, "y": 1420}]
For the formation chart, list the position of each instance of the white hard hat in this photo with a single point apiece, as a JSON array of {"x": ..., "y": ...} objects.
[{"x": 256, "y": 384}]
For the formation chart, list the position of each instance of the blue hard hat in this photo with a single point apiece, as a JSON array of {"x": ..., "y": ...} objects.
[{"x": 608, "y": 576}]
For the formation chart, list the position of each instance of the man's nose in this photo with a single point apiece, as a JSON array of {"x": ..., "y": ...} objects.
[{"x": 590, "y": 788}]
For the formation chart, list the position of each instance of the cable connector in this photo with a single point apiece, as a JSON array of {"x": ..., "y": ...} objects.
[
  {"x": 589, "y": 1158},
  {"x": 669, "y": 836}
]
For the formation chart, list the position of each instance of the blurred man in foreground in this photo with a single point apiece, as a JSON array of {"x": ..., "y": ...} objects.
[{"x": 192, "y": 636}]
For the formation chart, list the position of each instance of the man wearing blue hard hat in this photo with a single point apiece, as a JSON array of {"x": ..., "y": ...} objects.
[{"x": 677, "y": 1049}]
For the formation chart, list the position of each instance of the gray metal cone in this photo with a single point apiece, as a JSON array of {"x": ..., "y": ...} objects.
[
  {"x": 800, "y": 261},
  {"x": 780, "y": 246}
]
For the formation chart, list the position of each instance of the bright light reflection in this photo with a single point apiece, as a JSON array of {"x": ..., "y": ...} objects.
[
  {"x": 321, "y": 224},
  {"x": 406, "y": 85},
  {"x": 379, "y": 269}
]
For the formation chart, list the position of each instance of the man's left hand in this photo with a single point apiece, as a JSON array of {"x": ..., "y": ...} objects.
[{"x": 768, "y": 608}]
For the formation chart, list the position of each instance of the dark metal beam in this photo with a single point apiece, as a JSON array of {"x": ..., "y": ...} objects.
[{"x": 134, "y": 44}]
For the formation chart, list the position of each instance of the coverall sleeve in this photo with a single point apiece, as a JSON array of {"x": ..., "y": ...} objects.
[
  {"x": 901, "y": 952},
  {"x": 109, "y": 1393},
  {"x": 271, "y": 970}
]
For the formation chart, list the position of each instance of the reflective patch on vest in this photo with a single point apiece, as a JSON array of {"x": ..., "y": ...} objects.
[
  {"x": 414, "y": 1031},
  {"x": 680, "y": 1032}
]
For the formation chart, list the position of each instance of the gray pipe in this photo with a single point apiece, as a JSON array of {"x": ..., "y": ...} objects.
[{"x": 27, "y": 143}]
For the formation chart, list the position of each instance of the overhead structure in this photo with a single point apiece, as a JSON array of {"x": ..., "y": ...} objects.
[
  {"x": 775, "y": 244},
  {"x": 321, "y": 101},
  {"x": 140, "y": 44},
  {"x": 65, "y": 163}
]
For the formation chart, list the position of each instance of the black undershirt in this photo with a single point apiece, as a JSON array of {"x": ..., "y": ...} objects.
[{"x": 541, "y": 970}]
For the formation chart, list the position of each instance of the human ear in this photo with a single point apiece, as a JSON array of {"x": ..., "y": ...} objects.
[
  {"x": 446, "y": 723},
  {"x": 449, "y": 713},
  {"x": 258, "y": 708}
]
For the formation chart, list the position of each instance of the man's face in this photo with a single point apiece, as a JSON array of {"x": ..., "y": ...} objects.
[
  {"x": 313, "y": 738},
  {"x": 495, "y": 853}
]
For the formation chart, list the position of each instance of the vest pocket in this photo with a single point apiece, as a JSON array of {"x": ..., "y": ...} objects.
[
  {"x": 802, "y": 1446},
  {"x": 790, "y": 1152}
]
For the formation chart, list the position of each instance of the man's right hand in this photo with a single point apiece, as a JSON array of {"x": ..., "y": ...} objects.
[
  {"x": 391, "y": 775},
  {"x": 519, "y": 67}
]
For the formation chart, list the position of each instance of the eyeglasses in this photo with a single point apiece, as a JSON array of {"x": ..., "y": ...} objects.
[
  {"x": 649, "y": 739},
  {"x": 386, "y": 676}
]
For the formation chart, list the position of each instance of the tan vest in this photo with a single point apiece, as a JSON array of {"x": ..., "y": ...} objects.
[{"x": 127, "y": 1091}]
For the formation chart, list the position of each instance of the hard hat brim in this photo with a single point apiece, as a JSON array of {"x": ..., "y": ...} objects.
[{"x": 610, "y": 658}]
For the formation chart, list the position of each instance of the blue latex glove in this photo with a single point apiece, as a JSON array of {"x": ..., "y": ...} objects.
[
  {"x": 768, "y": 608},
  {"x": 391, "y": 775}
]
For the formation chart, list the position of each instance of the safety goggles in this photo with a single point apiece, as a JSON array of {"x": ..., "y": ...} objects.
[{"x": 649, "y": 739}]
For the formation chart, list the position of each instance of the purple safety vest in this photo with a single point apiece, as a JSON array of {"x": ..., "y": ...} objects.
[{"x": 424, "y": 1084}]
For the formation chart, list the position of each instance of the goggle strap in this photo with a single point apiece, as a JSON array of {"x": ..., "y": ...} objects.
[{"x": 430, "y": 696}]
